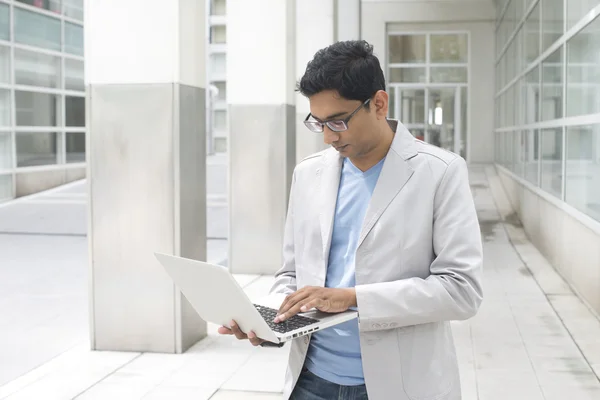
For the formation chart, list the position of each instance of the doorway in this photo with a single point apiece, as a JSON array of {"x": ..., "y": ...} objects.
[
  {"x": 428, "y": 86},
  {"x": 436, "y": 115}
]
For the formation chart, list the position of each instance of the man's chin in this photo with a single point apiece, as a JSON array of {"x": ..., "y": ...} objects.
[{"x": 342, "y": 149}]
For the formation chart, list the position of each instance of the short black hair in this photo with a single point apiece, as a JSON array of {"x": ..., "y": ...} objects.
[{"x": 349, "y": 67}]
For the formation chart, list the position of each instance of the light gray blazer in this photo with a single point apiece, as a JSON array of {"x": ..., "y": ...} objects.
[{"x": 418, "y": 265}]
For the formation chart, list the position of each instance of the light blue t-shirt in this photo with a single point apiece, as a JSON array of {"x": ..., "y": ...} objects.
[{"x": 334, "y": 353}]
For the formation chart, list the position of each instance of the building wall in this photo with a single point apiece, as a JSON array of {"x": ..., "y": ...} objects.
[
  {"x": 547, "y": 134},
  {"x": 569, "y": 240},
  {"x": 378, "y": 17}
]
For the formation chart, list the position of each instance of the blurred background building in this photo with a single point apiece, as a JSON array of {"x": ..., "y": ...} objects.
[{"x": 42, "y": 95}]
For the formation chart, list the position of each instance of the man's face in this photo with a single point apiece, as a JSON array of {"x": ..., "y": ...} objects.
[{"x": 358, "y": 139}]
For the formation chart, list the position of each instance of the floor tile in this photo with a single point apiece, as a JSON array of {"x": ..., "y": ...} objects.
[
  {"x": 235, "y": 395},
  {"x": 179, "y": 393},
  {"x": 508, "y": 384},
  {"x": 263, "y": 372}
]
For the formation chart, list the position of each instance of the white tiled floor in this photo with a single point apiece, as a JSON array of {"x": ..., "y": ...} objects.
[{"x": 533, "y": 339}]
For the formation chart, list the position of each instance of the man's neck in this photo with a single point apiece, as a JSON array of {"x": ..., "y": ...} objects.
[{"x": 367, "y": 161}]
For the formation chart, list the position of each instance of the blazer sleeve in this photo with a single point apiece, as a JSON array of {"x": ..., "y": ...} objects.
[
  {"x": 453, "y": 290},
  {"x": 285, "y": 278}
]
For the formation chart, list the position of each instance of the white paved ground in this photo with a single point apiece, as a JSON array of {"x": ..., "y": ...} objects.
[{"x": 532, "y": 339}]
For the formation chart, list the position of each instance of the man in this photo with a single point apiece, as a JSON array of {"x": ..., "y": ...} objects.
[{"x": 383, "y": 223}]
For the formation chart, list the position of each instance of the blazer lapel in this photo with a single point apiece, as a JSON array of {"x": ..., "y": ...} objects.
[
  {"x": 329, "y": 184},
  {"x": 394, "y": 175}
]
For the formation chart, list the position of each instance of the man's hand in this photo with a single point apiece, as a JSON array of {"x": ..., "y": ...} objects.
[
  {"x": 235, "y": 330},
  {"x": 323, "y": 299}
]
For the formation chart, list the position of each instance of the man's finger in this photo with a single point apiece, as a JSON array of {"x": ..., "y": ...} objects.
[
  {"x": 292, "y": 300},
  {"x": 254, "y": 339},
  {"x": 223, "y": 330},
  {"x": 237, "y": 332},
  {"x": 296, "y": 309},
  {"x": 314, "y": 303}
]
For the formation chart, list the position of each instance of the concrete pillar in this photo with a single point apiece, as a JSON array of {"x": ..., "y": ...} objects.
[
  {"x": 347, "y": 19},
  {"x": 145, "y": 77},
  {"x": 314, "y": 31},
  {"x": 336, "y": 20},
  {"x": 260, "y": 94}
]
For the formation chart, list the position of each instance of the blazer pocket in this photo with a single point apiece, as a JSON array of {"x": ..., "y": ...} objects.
[{"x": 426, "y": 359}]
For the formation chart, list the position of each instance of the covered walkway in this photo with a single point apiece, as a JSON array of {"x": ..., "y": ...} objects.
[{"x": 533, "y": 339}]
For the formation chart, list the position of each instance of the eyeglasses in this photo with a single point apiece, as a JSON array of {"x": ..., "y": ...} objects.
[{"x": 336, "y": 125}]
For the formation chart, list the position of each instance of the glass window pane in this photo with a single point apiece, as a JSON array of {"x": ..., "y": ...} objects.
[
  {"x": 583, "y": 71},
  {"x": 75, "y": 147},
  {"x": 583, "y": 169},
  {"x": 220, "y": 121},
  {"x": 50, "y": 5},
  {"x": 449, "y": 48},
  {"x": 74, "y": 75},
  {"x": 531, "y": 96},
  {"x": 530, "y": 155},
  {"x": 36, "y": 148},
  {"x": 73, "y": 39},
  {"x": 37, "y": 109},
  {"x": 218, "y": 7},
  {"x": 552, "y": 22},
  {"x": 518, "y": 151},
  {"x": 4, "y": 22},
  {"x": 531, "y": 46},
  {"x": 218, "y": 64},
  {"x": 408, "y": 75},
  {"x": 75, "y": 111},
  {"x": 218, "y": 34},
  {"x": 441, "y": 123},
  {"x": 5, "y": 151},
  {"x": 6, "y": 187},
  {"x": 552, "y": 161},
  {"x": 510, "y": 18},
  {"x": 576, "y": 9},
  {"x": 448, "y": 74},
  {"x": 5, "y": 116},
  {"x": 36, "y": 69},
  {"x": 4, "y": 64},
  {"x": 220, "y": 144},
  {"x": 36, "y": 29},
  {"x": 407, "y": 49},
  {"x": 552, "y": 86},
  {"x": 519, "y": 59},
  {"x": 222, "y": 91},
  {"x": 508, "y": 149},
  {"x": 411, "y": 106},
  {"x": 73, "y": 9}
]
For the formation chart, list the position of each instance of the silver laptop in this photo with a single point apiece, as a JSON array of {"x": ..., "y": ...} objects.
[{"x": 218, "y": 298}]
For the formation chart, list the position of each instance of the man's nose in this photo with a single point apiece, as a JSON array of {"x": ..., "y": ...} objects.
[{"x": 330, "y": 136}]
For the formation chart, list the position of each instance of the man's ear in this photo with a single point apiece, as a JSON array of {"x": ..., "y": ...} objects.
[{"x": 381, "y": 104}]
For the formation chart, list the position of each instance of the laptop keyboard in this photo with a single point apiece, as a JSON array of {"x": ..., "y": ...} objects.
[{"x": 293, "y": 323}]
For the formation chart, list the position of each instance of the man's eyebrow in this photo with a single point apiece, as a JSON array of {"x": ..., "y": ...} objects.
[{"x": 331, "y": 116}]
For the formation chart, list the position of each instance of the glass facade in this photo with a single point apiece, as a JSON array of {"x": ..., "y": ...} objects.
[
  {"x": 548, "y": 97},
  {"x": 42, "y": 91}
]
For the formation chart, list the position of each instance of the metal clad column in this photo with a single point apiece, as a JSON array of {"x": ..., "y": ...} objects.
[
  {"x": 260, "y": 93},
  {"x": 145, "y": 72}
]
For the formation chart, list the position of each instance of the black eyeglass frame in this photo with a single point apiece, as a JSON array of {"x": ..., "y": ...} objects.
[{"x": 330, "y": 123}]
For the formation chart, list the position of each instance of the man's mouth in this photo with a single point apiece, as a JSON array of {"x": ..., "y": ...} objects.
[{"x": 340, "y": 148}]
